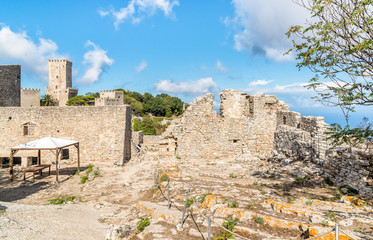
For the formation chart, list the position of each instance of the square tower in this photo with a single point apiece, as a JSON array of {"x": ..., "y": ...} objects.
[
  {"x": 10, "y": 85},
  {"x": 60, "y": 81}
]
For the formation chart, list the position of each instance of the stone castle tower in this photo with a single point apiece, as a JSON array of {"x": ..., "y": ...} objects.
[
  {"x": 60, "y": 81},
  {"x": 10, "y": 85}
]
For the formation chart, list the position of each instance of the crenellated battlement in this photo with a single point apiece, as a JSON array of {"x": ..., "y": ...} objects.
[
  {"x": 31, "y": 89},
  {"x": 59, "y": 60}
]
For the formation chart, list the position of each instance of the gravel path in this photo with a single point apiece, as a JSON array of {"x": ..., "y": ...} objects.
[{"x": 70, "y": 221}]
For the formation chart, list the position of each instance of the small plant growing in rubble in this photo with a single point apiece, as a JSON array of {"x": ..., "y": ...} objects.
[
  {"x": 190, "y": 201},
  {"x": 143, "y": 223},
  {"x": 250, "y": 205},
  {"x": 2, "y": 211},
  {"x": 325, "y": 223},
  {"x": 83, "y": 179},
  {"x": 290, "y": 200},
  {"x": 260, "y": 188},
  {"x": 233, "y": 175},
  {"x": 309, "y": 202},
  {"x": 164, "y": 177},
  {"x": 229, "y": 224},
  {"x": 233, "y": 205},
  {"x": 201, "y": 199},
  {"x": 331, "y": 215},
  {"x": 259, "y": 220},
  {"x": 178, "y": 157},
  {"x": 224, "y": 201},
  {"x": 359, "y": 229},
  {"x": 62, "y": 200},
  {"x": 255, "y": 183}
]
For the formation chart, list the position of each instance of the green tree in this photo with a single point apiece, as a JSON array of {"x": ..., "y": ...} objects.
[
  {"x": 80, "y": 100},
  {"x": 337, "y": 45},
  {"x": 48, "y": 100}
]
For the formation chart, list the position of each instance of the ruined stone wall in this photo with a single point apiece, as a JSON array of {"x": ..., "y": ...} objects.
[
  {"x": 350, "y": 167},
  {"x": 30, "y": 97},
  {"x": 104, "y": 133},
  {"x": 10, "y": 85},
  {"x": 243, "y": 130},
  {"x": 300, "y": 138},
  {"x": 304, "y": 139}
]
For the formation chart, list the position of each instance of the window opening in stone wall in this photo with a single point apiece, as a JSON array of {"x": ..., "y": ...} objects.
[
  {"x": 34, "y": 161},
  {"x": 28, "y": 129},
  {"x": 65, "y": 154},
  {"x": 17, "y": 160},
  {"x": 284, "y": 120}
]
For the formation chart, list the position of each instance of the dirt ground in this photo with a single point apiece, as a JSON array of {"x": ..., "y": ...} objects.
[{"x": 113, "y": 201}]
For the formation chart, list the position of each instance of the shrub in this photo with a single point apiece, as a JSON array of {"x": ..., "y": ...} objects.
[
  {"x": 233, "y": 205},
  {"x": 62, "y": 200},
  {"x": 233, "y": 175},
  {"x": 143, "y": 223},
  {"x": 164, "y": 177},
  {"x": 190, "y": 201},
  {"x": 259, "y": 220},
  {"x": 83, "y": 179},
  {"x": 229, "y": 224}
]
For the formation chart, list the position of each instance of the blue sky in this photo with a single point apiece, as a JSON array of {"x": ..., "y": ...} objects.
[{"x": 185, "y": 48}]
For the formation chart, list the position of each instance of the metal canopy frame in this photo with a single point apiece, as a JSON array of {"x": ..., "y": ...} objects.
[{"x": 56, "y": 151}]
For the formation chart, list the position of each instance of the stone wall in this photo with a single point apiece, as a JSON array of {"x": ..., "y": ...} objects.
[
  {"x": 352, "y": 167},
  {"x": 245, "y": 128},
  {"x": 104, "y": 133},
  {"x": 303, "y": 139},
  {"x": 10, "y": 85},
  {"x": 30, "y": 97},
  {"x": 300, "y": 138}
]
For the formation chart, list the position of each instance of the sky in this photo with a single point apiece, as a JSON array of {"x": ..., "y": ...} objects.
[{"x": 185, "y": 48}]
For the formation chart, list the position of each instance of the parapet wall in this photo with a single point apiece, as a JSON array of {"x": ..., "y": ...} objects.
[
  {"x": 10, "y": 87},
  {"x": 104, "y": 133}
]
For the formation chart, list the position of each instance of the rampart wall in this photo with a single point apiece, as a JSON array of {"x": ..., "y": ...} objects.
[{"x": 104, "y": 133}]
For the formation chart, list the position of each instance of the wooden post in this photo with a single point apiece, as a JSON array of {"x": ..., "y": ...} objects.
[
  {"x": 57, "y": 153},
  {"x": 39, "y": 157},
  {"x": 78, "y": 157},
  {"x": 185, "y": 207},
  {"x": 209, "y": 229},
  {"x": 11, "y": 175}
]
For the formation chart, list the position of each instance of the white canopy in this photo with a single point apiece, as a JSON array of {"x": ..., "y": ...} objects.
[{"x": 47, "y": 143}]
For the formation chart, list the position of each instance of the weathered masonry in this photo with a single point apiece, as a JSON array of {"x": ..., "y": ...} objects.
[
  {"x": 60, "y": 81},
  {"x": 30, "y": 97},
  {"x": 243, "y": 130},
  {"x": 104, "y": 133},
  {"x": 110, "y": 98},
  {"x": 10, "y": 85}
]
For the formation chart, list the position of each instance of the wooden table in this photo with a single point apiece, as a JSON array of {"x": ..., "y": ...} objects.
[{"x": 35, "y": 169}]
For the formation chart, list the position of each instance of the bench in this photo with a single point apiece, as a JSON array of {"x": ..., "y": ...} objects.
[{"x": 35, "y": 169}]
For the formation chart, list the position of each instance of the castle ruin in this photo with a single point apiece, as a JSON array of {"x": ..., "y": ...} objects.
[
  {"x": 108, "y": 98},
  {"x": 60, "y": 81}
]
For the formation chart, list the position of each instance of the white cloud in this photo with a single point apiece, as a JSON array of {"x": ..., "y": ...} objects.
[
  {"x": 97, "y": 61},
  {"x": 103, "y": 13},
  {"x": 260, "y": 82},
  {"x": 136, "y": 10},
  {"x": 220, "y": 67},
  {"x": 141, "y": 67},
  {"x": 201, "y": 86},
  {"x": 19, "y": 48},
  {"x": 261, "y": 26}
]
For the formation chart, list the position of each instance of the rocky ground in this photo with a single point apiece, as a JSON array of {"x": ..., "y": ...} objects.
[{"x": 271, "y": 200}]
